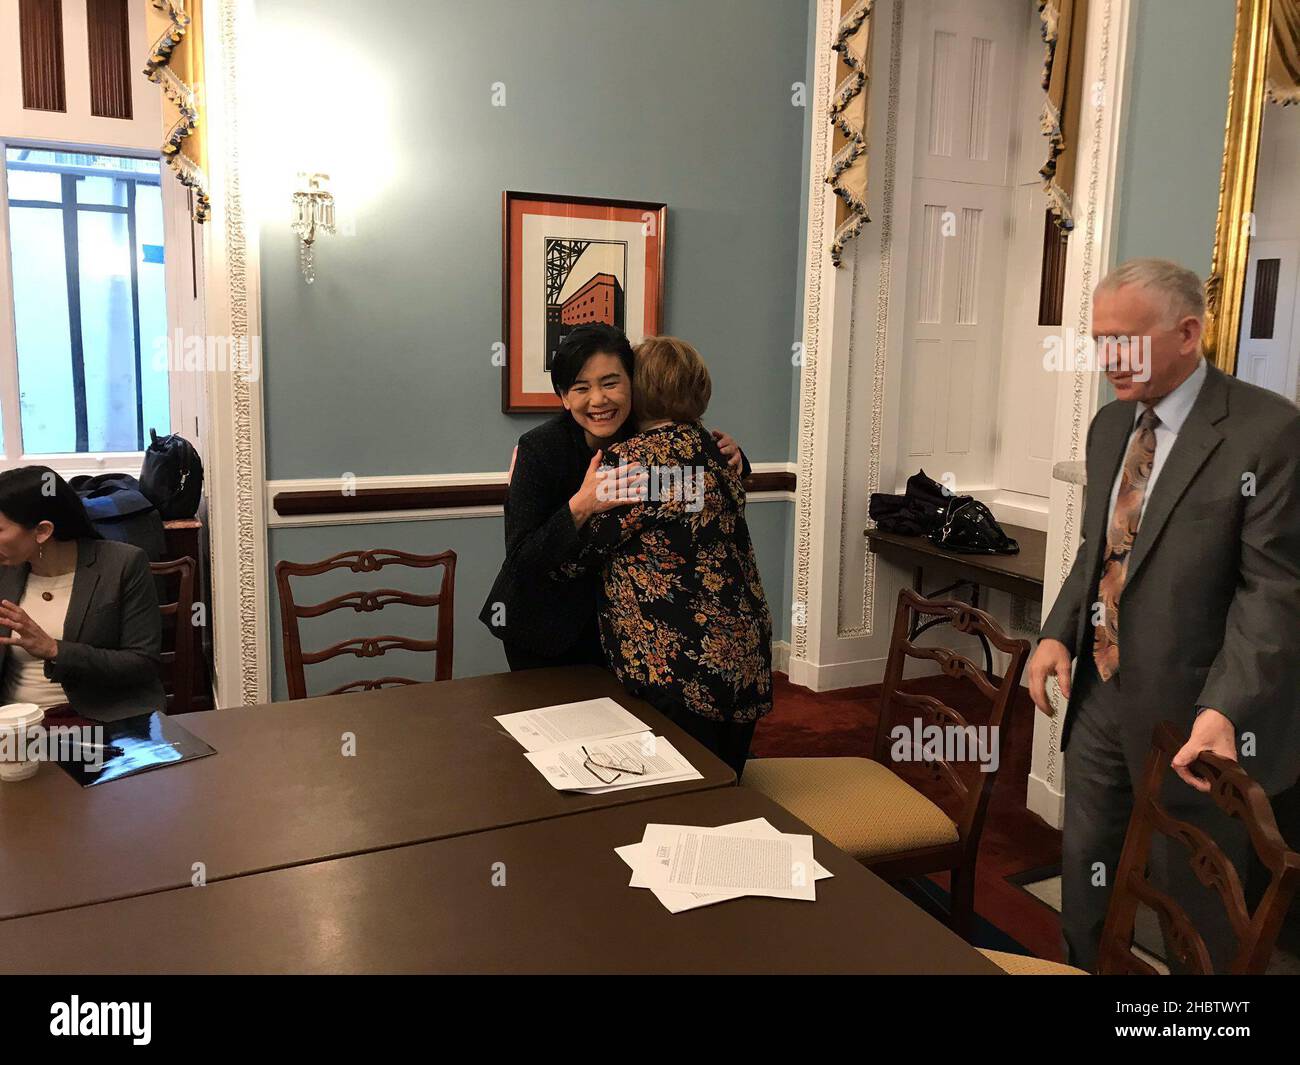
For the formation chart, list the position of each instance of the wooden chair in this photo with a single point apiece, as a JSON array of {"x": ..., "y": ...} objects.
[
  {"x": 295, "y": 660},
  {"x": 177, "y": 669},
  {"x": 1237, "y": 795},
  {"x": 865, "y": 809}
]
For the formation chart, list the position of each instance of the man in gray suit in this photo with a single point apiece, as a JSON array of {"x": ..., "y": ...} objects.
[{"x": 1183, "y": 603}]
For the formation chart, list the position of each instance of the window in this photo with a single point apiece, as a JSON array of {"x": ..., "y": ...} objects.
[{"x": 89, "y": 303}]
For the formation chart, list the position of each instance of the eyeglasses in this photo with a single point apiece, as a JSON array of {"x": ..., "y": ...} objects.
[{"x": 594, "y": 767}]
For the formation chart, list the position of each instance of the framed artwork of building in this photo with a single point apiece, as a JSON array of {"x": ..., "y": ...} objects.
[{"x": 567, "y": 260}]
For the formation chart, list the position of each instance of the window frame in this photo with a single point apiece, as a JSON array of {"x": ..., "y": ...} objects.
[{"x": 186, "y": 390}]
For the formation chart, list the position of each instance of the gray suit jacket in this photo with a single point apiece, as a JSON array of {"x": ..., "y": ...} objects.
[
  {"x": 1210, "y": 612},
  {"x": 112, "y": 636}
]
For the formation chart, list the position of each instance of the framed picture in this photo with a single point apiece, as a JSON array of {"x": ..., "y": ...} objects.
[{"x": 567, "y": 260}]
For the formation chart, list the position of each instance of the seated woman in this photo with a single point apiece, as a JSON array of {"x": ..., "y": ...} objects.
[
  {"x": 683, "y": 619},
  {"x": 79, "y": 614}
]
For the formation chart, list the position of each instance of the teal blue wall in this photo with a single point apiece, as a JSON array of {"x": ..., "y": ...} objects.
[
  {"x": 383, "y": 366},
  {"x": 1176, "y": 102}
]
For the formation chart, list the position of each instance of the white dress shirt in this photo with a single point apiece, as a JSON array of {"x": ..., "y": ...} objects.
[{"x": 1172, "y": 410}]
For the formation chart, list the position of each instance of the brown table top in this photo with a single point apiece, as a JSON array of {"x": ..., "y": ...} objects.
[
  {"x": 430, "y": 763},
  {"x": 1020, "y": 574},
  {"x": 565, "y": 908}
]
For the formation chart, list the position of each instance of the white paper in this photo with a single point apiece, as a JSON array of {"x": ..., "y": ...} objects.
[
  {"x": 638, "y": 855},
  {"x": 720, "y": 861},
  {"x": 563, "y": 766},
  {"x": 551, "y": 726}
]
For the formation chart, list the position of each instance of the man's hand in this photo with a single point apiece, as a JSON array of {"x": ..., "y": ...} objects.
[
  {"x": 1050, "y": 658},
  {"x": 1212, "y": 732},
  {"x": 730, "y": 450}
]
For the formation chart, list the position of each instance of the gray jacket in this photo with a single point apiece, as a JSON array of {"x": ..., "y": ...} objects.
[
  {"x": 1210, "y": 612},
  {"x": 112, "y": 637}
]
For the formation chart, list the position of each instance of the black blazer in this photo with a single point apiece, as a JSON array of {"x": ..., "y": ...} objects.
[
  {"x": 542, "y": 615},
  {"x": 112, "y": 636}
]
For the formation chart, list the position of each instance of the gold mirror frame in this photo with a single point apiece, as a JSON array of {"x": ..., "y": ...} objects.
[{"x": 1225, "y": 288}]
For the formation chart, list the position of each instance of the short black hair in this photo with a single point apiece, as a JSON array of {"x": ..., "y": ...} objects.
[
  {"x": 591, "y": 338},
  {"x": 30, "y": 495}
]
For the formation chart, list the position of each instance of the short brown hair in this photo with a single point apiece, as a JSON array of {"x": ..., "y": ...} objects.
[{"x": 670, "y": 381}]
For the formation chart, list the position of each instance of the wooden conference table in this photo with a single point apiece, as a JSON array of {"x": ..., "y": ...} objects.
[
  {"x": 384, "y": 862},
  {"x": 430, "y": 763},
  {"x": 565, "y": 907}
]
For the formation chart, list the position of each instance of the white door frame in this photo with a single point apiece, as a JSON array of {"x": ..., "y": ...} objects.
[
  {"x": 1089, "y": 255},
  {"x": 236, "y": 471}
]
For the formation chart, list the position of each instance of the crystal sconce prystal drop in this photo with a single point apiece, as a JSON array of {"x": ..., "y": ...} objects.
[{"x": 313, "y": 211}]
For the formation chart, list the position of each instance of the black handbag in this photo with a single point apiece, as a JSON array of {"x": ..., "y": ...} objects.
[
  {"x": 171, "y": 477},
  {"x": 959, "y": 523},
  {"x": 970, "y": 528}
]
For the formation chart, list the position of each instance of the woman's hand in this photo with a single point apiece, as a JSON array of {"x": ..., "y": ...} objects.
[
  {"x": 730, "y": 450},
  {"x": 604, "y": 488},
  {"x": 25, "y": 632}
]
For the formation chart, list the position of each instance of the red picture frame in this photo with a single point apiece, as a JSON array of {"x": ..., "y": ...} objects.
[{"x": 566, "y": 260}]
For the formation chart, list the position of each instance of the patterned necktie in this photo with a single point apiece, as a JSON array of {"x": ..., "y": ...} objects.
[{"x": 1119, "y": 541}]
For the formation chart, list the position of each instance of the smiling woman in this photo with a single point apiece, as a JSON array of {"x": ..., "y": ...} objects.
[{"x": 553, "y": 491}]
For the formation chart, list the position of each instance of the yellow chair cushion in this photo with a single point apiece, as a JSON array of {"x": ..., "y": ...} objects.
[
  {"x": 1019, "y": 965},
  {"x": 858, "y": 804}
]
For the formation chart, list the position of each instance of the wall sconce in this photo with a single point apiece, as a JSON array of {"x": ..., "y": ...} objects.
[{"x": 313, "y": 210}]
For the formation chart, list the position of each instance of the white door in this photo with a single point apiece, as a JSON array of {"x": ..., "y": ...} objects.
[{"x": 1270, "y": 344}]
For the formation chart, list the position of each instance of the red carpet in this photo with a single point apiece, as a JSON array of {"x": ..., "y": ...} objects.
[{"x": 804, "y": 723}]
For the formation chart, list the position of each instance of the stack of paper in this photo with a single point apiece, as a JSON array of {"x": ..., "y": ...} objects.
[
  {"x": 687, "y": 866},
  {"x": 595, "y": 746}
]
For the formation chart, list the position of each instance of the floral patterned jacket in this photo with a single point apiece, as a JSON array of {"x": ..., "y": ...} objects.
[{"x": 683, "y": 618}]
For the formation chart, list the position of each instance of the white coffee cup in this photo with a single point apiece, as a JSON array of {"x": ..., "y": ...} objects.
[{"x": 15, "y": 720}]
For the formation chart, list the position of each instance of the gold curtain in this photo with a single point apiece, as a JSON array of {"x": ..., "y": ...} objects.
[
  {"x": 1282, "y": 80},
  {"x": 848, "y": 114},
  {"x": 1065, "y": 31},
  {"x": 176, "y": 67}
]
